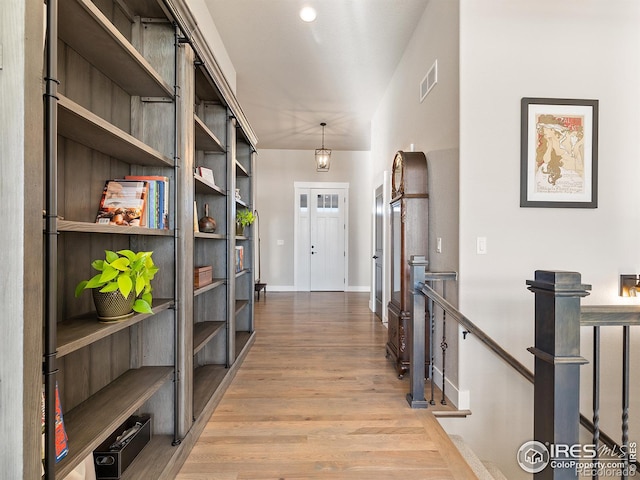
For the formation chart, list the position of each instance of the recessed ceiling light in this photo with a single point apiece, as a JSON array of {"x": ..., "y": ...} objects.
[{"x": 308, "y": 14}]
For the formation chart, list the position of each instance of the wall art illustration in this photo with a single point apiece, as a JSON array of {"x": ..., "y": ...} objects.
[{"x": 559, "y": 153}]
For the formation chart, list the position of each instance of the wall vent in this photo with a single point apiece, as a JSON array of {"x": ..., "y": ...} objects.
[{"x": 429, "y": 81}]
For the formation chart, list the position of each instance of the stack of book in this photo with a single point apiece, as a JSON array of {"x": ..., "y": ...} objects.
[{"x": 137, "y": 201}]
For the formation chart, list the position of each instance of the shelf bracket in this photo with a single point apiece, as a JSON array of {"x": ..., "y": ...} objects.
[{"x": 156, "y": 99}]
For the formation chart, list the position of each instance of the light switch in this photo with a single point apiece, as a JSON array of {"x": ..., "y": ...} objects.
[
  {"x": 439, "y": 245},
  {"x": 481, "y": 245}
]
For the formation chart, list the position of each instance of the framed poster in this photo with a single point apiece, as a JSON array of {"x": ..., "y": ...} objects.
[{"x": 559, "y": 153}]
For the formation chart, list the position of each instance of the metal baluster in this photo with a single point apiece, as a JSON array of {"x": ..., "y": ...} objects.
[
  {"x": 432, "y": 331},
  {"x": 596, "y": 395},
  {"x": 444, "y": 346},
  {"x": 626, "y": 330}
]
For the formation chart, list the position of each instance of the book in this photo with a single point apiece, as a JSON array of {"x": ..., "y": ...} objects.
[
  {"x": 61, "y": 440},
  {"x": 123, "y": 203},
  {"x": 239, "y": 259},
  {"x": 206, "y": 174},
  {"x": 196, "y": 225},
  {"x": 158, "y": 211}
]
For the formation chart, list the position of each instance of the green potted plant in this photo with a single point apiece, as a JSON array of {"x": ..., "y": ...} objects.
[
  {"x": 244, "y": 218},
  {"x": 123, "y": 285}
]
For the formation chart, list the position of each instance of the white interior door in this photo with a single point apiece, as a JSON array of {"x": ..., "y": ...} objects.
[
  {"x": 320, "y": 238},
  {"x": 327, "y": 240}
]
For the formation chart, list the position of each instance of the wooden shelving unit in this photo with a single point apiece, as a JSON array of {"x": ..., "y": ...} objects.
[
  {"x": 91, "y": 422},
  {"x": 116, "y": 116}
]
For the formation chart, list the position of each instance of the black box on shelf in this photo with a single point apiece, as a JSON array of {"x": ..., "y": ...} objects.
[{"x": 111, "y": 461}]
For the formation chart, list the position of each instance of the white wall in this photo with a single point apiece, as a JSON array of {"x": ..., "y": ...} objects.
[
  {"x": 431, "y": 126},
  {"x": 508, "y": 50},
  {"x": 277, "y": 170}
]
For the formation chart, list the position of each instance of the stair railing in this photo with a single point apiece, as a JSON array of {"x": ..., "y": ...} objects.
[{"x": 558, "y": 319}]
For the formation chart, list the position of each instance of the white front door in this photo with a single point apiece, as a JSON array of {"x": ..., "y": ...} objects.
[
  {"x": 320, "y": 239},
  {"x": 327, "y": 240}
]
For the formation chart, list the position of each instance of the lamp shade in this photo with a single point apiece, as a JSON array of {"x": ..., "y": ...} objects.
[
  {"x": 323, "y": 159},
  {"x": 323, "y": 155}
]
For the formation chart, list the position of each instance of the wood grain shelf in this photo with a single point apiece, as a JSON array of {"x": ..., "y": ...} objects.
[
  {"x": 206, "y": 187},
  {"x": 240, "y": 170},
  {"x": 206, "y": 380},
  {"x": 91, "y": 34},
  {"x": 205, "y": 331},
  {"x": 91, "y": 422},
  {"x": 205, "y": 89},
  {"x": 210, "y": 236},
  {"x": 242, "y": 272},
  {"x": 240, "y": 304},
  {"x": 217, "y": 282},
  {"x": 242, "y": 339},
  {"x": 206, "y": 140},
  {"x": 154, "y": 459},
  {"x": 86, "y": 227},
  {"x": 85, "y": 127},
  {"x": 78, "y": 332}
]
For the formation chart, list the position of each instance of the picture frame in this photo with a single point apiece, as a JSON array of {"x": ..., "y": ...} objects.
[{"x": 559, "y": 153}]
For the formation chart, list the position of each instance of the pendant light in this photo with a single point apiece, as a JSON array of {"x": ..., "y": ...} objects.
[{"x": 323, "y": 155}]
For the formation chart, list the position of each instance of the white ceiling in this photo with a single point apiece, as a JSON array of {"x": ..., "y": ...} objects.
[{"x": 292, "y": 75}]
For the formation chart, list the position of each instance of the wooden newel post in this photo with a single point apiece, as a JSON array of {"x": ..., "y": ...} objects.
[
  {"x": 417, "y": 347},
  {"x": 557, "y": 365}
]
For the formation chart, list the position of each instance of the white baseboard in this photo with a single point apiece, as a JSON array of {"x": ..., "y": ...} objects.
[
  {"x": 458, "y": 397},
  {"x": 292, "y": 288},
  {"x": 355, "y": 288},
  {"x": 281, "y": 288}
]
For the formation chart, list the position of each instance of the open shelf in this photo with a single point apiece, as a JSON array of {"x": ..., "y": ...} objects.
[
  {"x": 242, "y": 339},
  {"x": 206, "y": 140},
  {"x": 85, "y": 127},
  {"x": 205, "y": 88},
  {"x": 91, "y": 422},
  {"x": 240, "y": 170},
  {"x": 206, "y": 380},
  {"x": 216, "y": 283},
  {"x": 216, "y": 236},
  {"x": 86, "y": 227},
  {"x": 78, "y": 332},
  {"x": 152, "y": 461},
  {"x": 204, "y": 186},
  {"x": 242, "y": 203},
  {"x": 242, "y": 272},
  {"x": 240, "y": 304},
  {"x": 91, "y": 34},
  {"x": 205, "y": 331}
]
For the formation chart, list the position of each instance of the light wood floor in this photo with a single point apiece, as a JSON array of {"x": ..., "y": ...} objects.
[{"x": 317, "y": 399}]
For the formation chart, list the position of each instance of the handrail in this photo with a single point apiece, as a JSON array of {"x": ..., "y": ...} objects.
[
  {"x": 472, "y": 328},
  {"x": 609, "y": 315},
  {"x": 595, "y": 315}
]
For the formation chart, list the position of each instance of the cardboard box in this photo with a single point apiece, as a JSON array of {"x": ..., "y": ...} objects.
[
  {"x": 111, "y": 463},
  {"x": 202, "y": 276}
]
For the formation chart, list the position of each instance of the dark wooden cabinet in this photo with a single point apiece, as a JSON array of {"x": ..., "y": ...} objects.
[{"x": 409, "y": 236}]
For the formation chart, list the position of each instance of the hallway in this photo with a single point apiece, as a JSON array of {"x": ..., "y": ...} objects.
[{"x": 316, "y": 399}]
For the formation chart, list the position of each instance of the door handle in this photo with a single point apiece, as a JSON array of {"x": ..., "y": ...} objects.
[{"x": 375, "y": 257}]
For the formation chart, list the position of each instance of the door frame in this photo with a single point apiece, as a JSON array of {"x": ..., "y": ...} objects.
[
  {"x": 384, "y": 181},
  {"x": 300, "y": 284},
  {"x": 379, "y": 191}
]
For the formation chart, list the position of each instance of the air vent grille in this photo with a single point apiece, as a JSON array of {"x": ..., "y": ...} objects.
[{"x": 429, "y": 81}]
